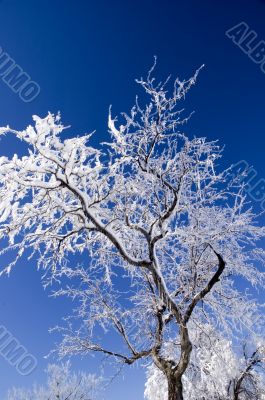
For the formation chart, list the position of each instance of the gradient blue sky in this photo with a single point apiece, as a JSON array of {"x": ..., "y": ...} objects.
[{"x": 85, "y": 56}]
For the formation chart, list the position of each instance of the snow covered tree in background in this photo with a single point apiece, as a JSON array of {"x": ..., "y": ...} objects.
[
  {"x": 62, "y": 384},
  {"x": 249, "y": 383},
  {"x": 164, "y": 231}
]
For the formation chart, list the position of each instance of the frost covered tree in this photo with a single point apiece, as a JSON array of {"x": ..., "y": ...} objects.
[
  {"x": 249, "y": 384},
  {"x": 62, "y": 384},
  {"x": 163, "y": 230}
]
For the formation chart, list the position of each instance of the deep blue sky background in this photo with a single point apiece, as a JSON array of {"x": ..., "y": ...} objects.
[{"x": 85, "y": 56}]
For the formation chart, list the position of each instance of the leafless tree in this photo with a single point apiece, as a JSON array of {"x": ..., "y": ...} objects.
[{"x": 151, "y": 207}]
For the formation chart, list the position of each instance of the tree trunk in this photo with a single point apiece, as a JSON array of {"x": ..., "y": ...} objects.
[
  {"x": 237, "y": 391},
  {"x": 175, "y": 389},
  {"x": 174, "y": 379}
]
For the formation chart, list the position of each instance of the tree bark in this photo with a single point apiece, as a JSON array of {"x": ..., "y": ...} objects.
[
  {"x": 175, "y": 389},
  {"x": 174, "y": 377}
]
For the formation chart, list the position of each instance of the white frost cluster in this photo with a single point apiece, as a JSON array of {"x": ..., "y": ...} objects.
[{"x": 62, "y": 384}]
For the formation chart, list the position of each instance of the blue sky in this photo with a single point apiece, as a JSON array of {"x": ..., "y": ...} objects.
[{"x": 85, "y": 55}]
